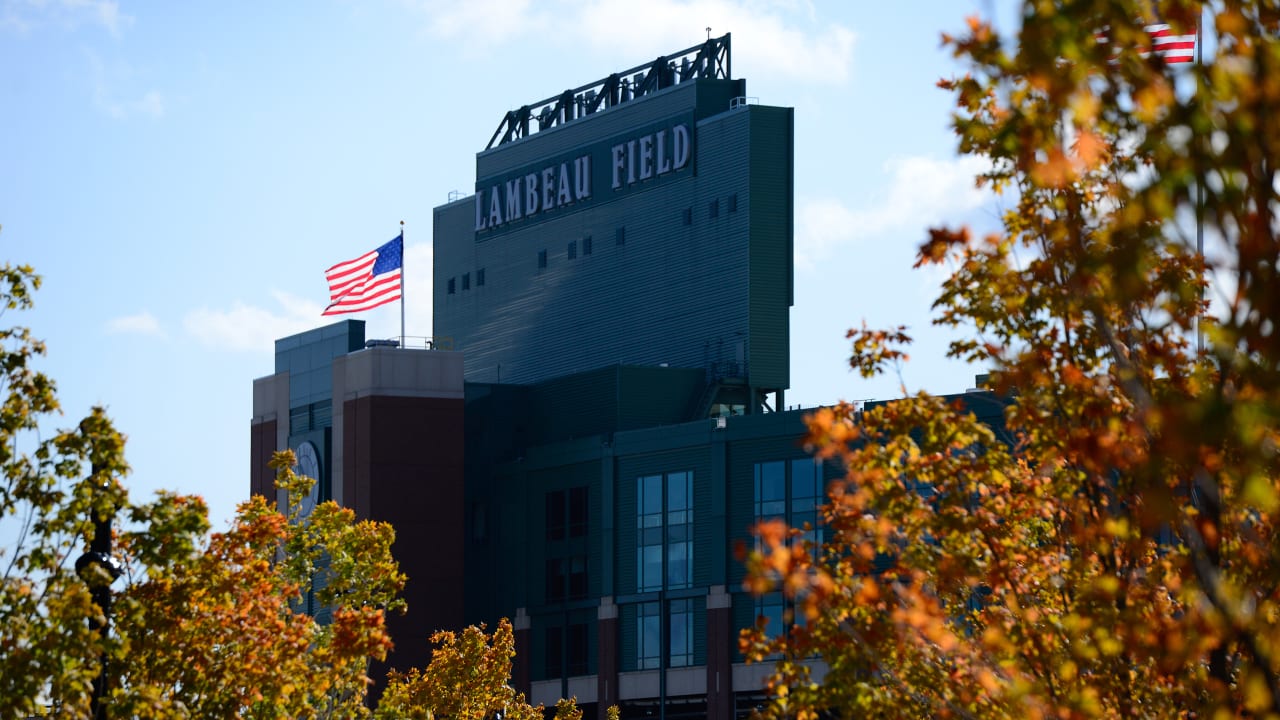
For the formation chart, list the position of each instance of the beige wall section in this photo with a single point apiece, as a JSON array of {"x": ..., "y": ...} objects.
[
  {"x": 271, "y": 402},
  {"x": 385, "y": 371}
]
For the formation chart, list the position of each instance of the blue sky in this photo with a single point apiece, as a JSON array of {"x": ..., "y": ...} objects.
[{"x": 181, "y": 174}]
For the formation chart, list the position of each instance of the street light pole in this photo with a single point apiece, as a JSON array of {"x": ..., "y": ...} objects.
[{"x": 99, "y": 555}]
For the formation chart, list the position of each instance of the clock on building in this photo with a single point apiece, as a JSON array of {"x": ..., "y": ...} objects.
[{"x": 308, "y": 464}]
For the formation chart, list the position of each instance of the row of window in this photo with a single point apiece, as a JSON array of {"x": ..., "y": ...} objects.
[
  {"x": 713, "y": 208},
  {"x": 790, "y": 490},
  {"x": 451, "y": 286}
]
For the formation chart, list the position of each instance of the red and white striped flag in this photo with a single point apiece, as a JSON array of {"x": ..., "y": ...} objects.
[
  {"x": 370, "y": 280},
  {"x": 1173, "y": 48}
]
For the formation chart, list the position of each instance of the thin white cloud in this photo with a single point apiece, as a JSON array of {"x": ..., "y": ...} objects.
[
  {"x": 103, "y": 81},
  {"x": 245, "y": 328},
  {"x": 143, "y": 323},
  {"x": 786, "y": 37},
  {"x": 922, "y": 191},
  {"x": 26, "y": 15}
]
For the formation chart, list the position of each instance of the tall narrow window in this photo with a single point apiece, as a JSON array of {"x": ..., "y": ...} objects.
[
  {"x": 681, "y": 633},
  {"x": 480, "y": 277},
  {"x": 452, "y": 286},
  {"x": 555, "y": 515},
  {"x": 578, "y": 512},
  {"x": 680, "y": 530},
  {"x": 542, "y": 259},
  {"x": 664, "y": 527},
  {"x": 577, "y": 649},
  {"x": 586, "y": 245},
  {"x": 572, "y": 249},
  {"x": 620, "y": 236},
  {"x": 649, "y": 636},
  {"x": 466, "y": 281},
  {"x": 649, "y": 528}
]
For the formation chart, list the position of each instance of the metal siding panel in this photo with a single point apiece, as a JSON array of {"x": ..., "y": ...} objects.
[{"x": 771, "y": 213}]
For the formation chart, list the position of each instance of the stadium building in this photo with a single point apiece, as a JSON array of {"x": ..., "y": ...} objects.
[{"x": 600, "y": 417}]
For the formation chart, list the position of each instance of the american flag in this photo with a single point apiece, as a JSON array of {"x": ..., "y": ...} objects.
[
  {"x": 370, "y": 280},
  {"x": 1173, "y": 48}
]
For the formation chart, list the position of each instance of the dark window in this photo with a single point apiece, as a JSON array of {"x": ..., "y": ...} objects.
[
  {"x": 578, "y": 512},
  {"x": 555, "y": 515},
  {"x": 577, "y": 567},
  {"x": 733, "y": 202},
  {"x": 452, "y": 286},
  {"x": 664, "y": 531},
  {"x": 688, "y": 216},
  {"x": 577, "y": 649},
  {"x": 620, "y": 236},
  {"x": 586, "y": 245},
  {"x": 480, "y": 277},
  {"x": 555, "y": 579},
  {"x": 713, "y": 210},
  {"x": 466, "y": 281},
  {"x": 554, "y": 651},
  {"x": 572, "y": 250},
  {"x": 542, "y": 259}
]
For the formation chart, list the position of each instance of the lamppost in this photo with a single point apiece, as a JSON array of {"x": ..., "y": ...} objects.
[{"x": 99, "y": 581}]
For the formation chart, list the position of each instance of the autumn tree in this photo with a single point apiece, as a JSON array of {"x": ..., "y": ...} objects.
[
  {"x": 468, "y": 679},
  {"x": 202, "y": 625},
  {"x": 1118, "y": 556}
]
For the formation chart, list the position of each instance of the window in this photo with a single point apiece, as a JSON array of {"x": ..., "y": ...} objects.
[
  {"x": 572, "y": 249},
  {"x": 648, "y": 636},
  {"x": 681, "y": 654},
  {"x": 542, "y": 259},
  {"x": 713, "y": 209},
  {"x": 620, "y": 236},
  {"x": 566, "y": 513},
  {"x": 452, "y": 286},
  {"x": 688, "y": 216},
  {"x": 586, "y": 245},
  {"x": 466, "y": 281},
  {"x": 733, "y": 202},
  {"x": 791, "y": 491},
  {"x": 555, "y": 515},
  {"x": 554, "y": 650},
  {"x": 480, "y": 277},
  {"x": 664, "y": 526},
  {"x": 577, "y": 642},
  {"x": 566, "y": 578},
  {"x": 578, "y": 512}
]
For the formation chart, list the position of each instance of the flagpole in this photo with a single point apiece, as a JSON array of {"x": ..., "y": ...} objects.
[
  {"x": 1200, "y": 196},
  {"x": 403, "y": 340}
]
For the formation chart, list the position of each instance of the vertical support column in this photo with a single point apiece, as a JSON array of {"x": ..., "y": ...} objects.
[
  {"x": 719, "y": 654},
  {"x": 521, "y": 678},
  {"x": 607, "y": 655}
]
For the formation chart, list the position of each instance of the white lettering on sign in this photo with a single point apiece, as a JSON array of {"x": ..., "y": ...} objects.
[
  {"x": 650, "y": 156},
  {"x": 551, "y": 187},
  {"x": 569, "y": 182}
]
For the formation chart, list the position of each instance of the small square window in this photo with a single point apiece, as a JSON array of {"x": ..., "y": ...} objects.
[
  {"x": 620, "y": 236},
  {"x": 713, "y": 210},
  {"x": 733, "y": 202},
  {"x": 542, "y": 259},
  {"x": 586, "y": 245},
  {"x": 688, "y": 216},
  {"x": 480, "y": 277},
  {"x": 452, "y": 286},
  {"x": 572, "y": 249},
  {"x": 466, "y": 281}
]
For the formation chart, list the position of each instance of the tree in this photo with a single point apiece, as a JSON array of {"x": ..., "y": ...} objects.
[
  {"x": 204, "y": 625},
  {"x": 466, "y": 680},
  {"x": 1118, "y": 558}
]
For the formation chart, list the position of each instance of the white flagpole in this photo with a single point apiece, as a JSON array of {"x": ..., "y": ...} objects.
[{"x": 403, "y": 340}]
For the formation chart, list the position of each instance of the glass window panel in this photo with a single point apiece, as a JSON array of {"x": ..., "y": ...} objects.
[
  {"x": 678, "y": 491},
  {"x": 554, "y": 651},
  {"x": 770, "y": 487},
  {"x": 681, "y": 633},
  {"x": 678, "y": 564},
  {"x": 770, "y": 607},
  {"x": 650, "y": 491},
  {"x": 578, "y": 512},
  {"x": 651, "y": 567},
  {"x": 648, "y": 636},
  {"x": 555, "y": 515}
]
